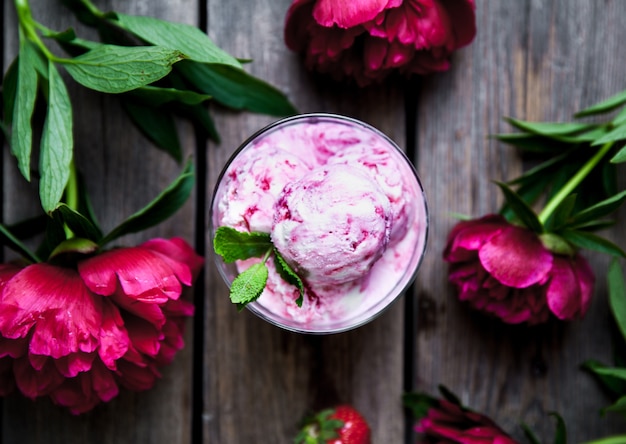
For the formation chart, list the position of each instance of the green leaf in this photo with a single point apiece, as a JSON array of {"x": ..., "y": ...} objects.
[
  {"x": 116, "y": 69},
  {"x": 79, "y": 224},
  {"x": 604, "y": 106},
  {"x": 248, "y": 285},
  {"x": 235, "y": 88},
  {"x": 561, "y": 213},
  {"x": 616, "y": 134},
  {"x": 617, "y": 295},
  {"x": 533, "y": 143},
  {"x": 618, "y": 406},
  {"x": 521, "y": 209},
  {"x": 617, "y": 439},
  {"x": 530, "y": 434},
  {"x": 589, "y": 241},
  {"x": 289, "y": 275},
  {"x": 614, "y": 385},
  {"x": 560, "y": 435},
  {"x": 620, "y": 156},
  {"x": 200, "y": 115},
  {"x": 540, "y": 171},
  {"x": 154, "y": 96},
  {"x": 616, "y": 372},
  {"x": 162, "y": 207},
  {"x": 599, "y": 210},
  {"x": 235, "y": 245},
  {"x": 185, "y": 38},
  {"x": 24, "y": 106},
  {"x": 620, "y": 118},
  {"x": 550, "y": 128},
  {"x": 57, "y": 143},
  {"x": 9, "y": 92},
  {"x": 157, "y": 124},
  {"x": 419, "y": 404},
  {"x": 9, "y": 240}
]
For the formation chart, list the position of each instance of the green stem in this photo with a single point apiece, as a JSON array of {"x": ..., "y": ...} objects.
[
  {"x": 71, "y": 195},
  {"x": 92, "y": 8},
  {"x": 28, "y": 27},
  {"x": 573, "y": 183}
]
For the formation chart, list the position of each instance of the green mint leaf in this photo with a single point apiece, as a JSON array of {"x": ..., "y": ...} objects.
[
  {"x": 116, "y": 69},
  {"x": 154, "y": 96},
  {"x": 620, "y": 118},
  {"x": 235, "y": 245},
  {"x": 199, "y": 114},
  {"x": 599, "y": 210},
  {"x": 248, "y": 285},
  {"x": 604, "y": 106},
  {"x": 289, "y": 275},
  {"x": 188, "y": 39},
  {"x": 589, "y": 241},
  {"x": 235, "y": 88},
  {"x": 57, "y": 142},
  {"x": 530, "y": 434},
  {"x": 521, "y": 209},
  {"x": 81, "y": 226},
  {"x": 161, "y": 208},
  {"x": 157, "y": 124},
  {"x": 616, "y": 134},
  {"x": 22, "y": 132},
  {"x": 617, "y": 295}
]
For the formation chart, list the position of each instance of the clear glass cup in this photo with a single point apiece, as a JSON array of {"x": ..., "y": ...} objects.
[{"x": 282, "y": 153}]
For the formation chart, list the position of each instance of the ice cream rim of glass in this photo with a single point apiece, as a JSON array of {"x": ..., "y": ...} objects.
[{"x": 392, "y": 290}]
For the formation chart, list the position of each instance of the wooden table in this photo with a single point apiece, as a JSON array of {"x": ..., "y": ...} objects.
[{"x": 241, "y": 380}]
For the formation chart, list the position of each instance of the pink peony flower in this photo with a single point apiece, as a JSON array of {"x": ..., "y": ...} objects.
[
  {"x": 76, "y": 333},
  {"x": 447, "y": 422},
  {"x": 368, "y": 39},
  {"x": 505, "y": 270}
]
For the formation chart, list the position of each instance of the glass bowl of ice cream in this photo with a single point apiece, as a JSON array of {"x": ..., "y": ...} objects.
[{"x": 344, "y": 210}]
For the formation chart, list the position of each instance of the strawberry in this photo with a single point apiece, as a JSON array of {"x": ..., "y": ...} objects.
[{"x": 340, "y": 425}]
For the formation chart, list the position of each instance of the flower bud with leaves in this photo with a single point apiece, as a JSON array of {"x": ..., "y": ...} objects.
[{"x": 522, "y": 266}]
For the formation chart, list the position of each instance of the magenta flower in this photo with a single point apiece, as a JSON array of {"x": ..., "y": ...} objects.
[
  {"x": 505, "y": 270},
  {"x": 446, "y": 423},
  {"x": 76, "y": 333},
  {"x": 368, "y": 39}
]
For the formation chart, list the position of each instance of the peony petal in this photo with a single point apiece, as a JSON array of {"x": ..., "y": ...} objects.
[
  {"x": 144, "y": 337},
  {"x": 462, "y": 16},
  {"x": 13, "y": 348},
  {"x": 33, "y": 383},
  {"x": 136, "y": 378},
  {"x": 178, "y": 250},
  {"x": 586, "y": 279},
  {"x": 466, "y": 237},
  {"x": 347, "y": 14},
  {"x": 563, "y": 293},
  {"x": 299, "y": 16},
  {"x": 516, "y": 257},
  {"x": 114, "y": 340},
  {"x": 142, "y": 274},
  {"x": 56, "y": 305}
]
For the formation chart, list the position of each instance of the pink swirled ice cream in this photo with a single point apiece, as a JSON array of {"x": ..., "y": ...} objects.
[{"x": 344, "y": 209}]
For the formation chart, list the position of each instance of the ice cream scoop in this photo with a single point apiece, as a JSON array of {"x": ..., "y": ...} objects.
[{"x": 332, "y": 224}]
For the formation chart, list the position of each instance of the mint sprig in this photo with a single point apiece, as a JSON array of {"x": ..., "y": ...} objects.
[{"x": 233, "y": 245}]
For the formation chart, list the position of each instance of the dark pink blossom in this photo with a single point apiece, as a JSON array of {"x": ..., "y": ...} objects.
[
  {"x": 448, "y": 423},
  {"x": 368, "y": 39},
  {"x": 76, "y": 333},
  {"x": 506, "y": 270}
]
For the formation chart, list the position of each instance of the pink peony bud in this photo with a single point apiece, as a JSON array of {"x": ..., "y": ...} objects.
[
  {"x": 77, "y": 333},
  {"x": 505, "y": 270},
  {"x": 368, "y": 39},
  {"x": 449, "y": 423}
]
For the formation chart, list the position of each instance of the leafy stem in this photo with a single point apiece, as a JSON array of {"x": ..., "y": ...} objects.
[{"x": 573, "y": 183}]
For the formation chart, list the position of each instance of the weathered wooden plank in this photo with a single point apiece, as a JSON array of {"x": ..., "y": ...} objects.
[
  {"x": 538, "y": 61},
  {"x": 123, "y": 172},
  {"x": 262, "y": 380}
]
